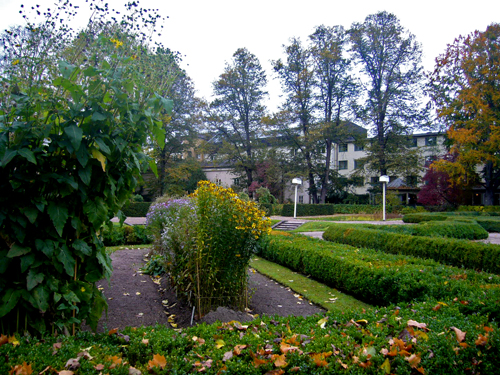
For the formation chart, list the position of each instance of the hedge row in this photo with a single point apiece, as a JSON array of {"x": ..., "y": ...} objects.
[
  {"x": 418, "y": 339},
  {"x": 136, "y": 209},
  {"x": 381, "y": 279},
  {"x": 332, "y": 209},
  {"x": 489, "y": 222},
  {"x": 126, "y": 235},
  {"x": 459, "y": 253},
  {"x": 449, "y": 229}
]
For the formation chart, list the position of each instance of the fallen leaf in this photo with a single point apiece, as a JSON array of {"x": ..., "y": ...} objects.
[
  {"x": 414, "y": 360},
  {"x": 219, "y": 343},
  {"x": 158, "y": 361},
  {"x": 133, "y": 371},
  {"x": 227, "y": 356},
  {"x": 460, "y": 334},
  {"x": 482, "y": 340},
  {"x": 322, "y": 322},
  {"x": 65, "y": 372},
  {"x": 99, "y": 367},
  {"x": 3, "y": 340},
  {"x": 386, "y": 366},
  {"x": 12, "y": 340},
  {"x": 113, "y": 331},
  {"x": 277, "y": 371},
  {"x": 23, "y": 369},
  {"x": 73, "y": 364},
  {"x": 145, "y": 341},
  {"x": 137, "y": 293},
  {"x": 413, "y": 323},
  {"x": 280, "y": 361},
  {"x": 319, "y": 359}
]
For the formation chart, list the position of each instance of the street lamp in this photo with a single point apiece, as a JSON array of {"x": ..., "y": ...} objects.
[
  {"x": 296, "y": 182},
  {"x": 384, "y": 180}
]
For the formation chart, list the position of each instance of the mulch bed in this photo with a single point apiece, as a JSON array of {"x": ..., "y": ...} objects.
[{"x": 137, "y": 300}]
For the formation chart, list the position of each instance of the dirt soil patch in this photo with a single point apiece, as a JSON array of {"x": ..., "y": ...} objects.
[{"x": 137, "y": 300}]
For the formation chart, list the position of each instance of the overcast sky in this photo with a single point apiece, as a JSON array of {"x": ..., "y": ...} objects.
[{"x": 207, "y": 33}]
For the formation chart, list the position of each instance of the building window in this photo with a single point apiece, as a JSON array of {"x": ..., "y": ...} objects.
[
  {"x": 343, "y": 164},
  {"x": 358, "y": 164},
  {"x": 218, "y": 181},
  {"x": 301, "y": 199},
  {"x": 343, "y": 147},
  {"x": 322, "y": 150},
  {"x": 374, "y": 180},
  {"x": 236, "y": 181},
  {"x": 414, "y": 142},
  {"x": 359, "y": 147},
  {"x": 430, "y": 141}
]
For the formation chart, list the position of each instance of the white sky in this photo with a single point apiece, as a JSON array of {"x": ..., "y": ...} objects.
[{"x": 207, "y": 33}]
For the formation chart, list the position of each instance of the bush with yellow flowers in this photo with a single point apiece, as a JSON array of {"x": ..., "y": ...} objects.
[{"x": 226, "y": 230}]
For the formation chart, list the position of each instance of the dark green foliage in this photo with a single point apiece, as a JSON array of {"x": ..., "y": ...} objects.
[
  {"x": 136, "y": 209},
  {"x": 436, "y": 345},
  {"x": 460, "y": 253},
  {"x": 126, "y": 235},
  {"x": 332, "y": 209},
  {"x": 468, "y": 230},
  {"x": 154, "y": 266},
  {"x": 488, "y": 220},
  {"x": 70, "y": 157},
  {"x": 381, "y": 279}
]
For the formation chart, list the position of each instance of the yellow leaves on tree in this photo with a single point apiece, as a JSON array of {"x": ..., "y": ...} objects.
[{"x": 465, "y": 90}]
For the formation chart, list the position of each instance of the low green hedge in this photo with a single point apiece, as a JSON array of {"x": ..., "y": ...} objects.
[
  {"x": 380, "y": 278},
  {"x": 459, "y": 253},
  {"x": 136, "y": 209},
  {"x": 414, "y": 339},
  {"x": 467, "y": 230},
  {"x": 332, "y": 209},
  {"x": 489, "y": 221},
  {"x": 126, "y": 235}
]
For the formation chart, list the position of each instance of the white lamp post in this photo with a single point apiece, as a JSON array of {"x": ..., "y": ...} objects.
[
  {"x": 384, "y": 180},
  {"x": 296, "y": 182}
]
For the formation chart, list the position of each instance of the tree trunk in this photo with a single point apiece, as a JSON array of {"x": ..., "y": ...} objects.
[{"x": 326, "y": 177}]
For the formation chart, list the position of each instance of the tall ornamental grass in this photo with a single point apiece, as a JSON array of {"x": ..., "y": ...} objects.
[{"x": 207, "y": 240}]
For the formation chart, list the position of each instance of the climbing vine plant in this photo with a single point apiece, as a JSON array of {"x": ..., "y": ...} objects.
[{"x": 70, "y": 156}]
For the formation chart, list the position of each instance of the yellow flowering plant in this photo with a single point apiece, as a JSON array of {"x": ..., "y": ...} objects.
[{"x": 228, "y": 229}]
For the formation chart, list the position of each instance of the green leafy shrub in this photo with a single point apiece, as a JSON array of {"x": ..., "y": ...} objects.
[
  {"x": 70, "y": 156},
  {"x": 207, "y": 240},
  {"x": 468, "y": 230},
  {"x": 332, "y": 209},
  {"x": 460, "y": 253},
  {"x": 380, "y": 278},
  {"x": 136, "y": 209},
  {"x": 488, "y": 220},
  {"x": 411, "y": 339}
]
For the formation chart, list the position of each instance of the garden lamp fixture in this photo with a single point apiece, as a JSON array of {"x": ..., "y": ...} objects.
[
  {"x": 296, "y": 182},
  {"x": 384, "y": 180}
]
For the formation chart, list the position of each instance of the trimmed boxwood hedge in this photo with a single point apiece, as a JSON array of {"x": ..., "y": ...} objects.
[
  {"x": 460, "y": 253},
  {"x": 332, "y": 209},
  {"x": 136, "y": 209},
  {"x": 449, "y": 229},
  {"x": 377, "y": 341},
  {"x": 380, "y": 278},
  {"x": 489, "y": 221}
]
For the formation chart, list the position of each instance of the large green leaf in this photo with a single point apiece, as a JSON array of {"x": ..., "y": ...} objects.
[
  {"x": 96, "y": 116},
  {"x": 82, "y": 247},
  {"x": 159, "y": 136},
  {"x": 7, "y": 157},
  {"x": 154, "y": 168},
  {"x": 4, "y": 261},
  {"x": 59, "y": 215},
  {"x": 9, "y": 301},
  {"x": 67, "y": 260},
  {"x": 17, "y": 250},
  {"x": 66, "y": 69},
  {"x": 26, "y": 261},
  {"x": 85, "y": 174},
  {"x": 41, "y": 296},
  {"x": 28, "y": 155},
  {"x": 96, "y": 210},
  {"x": 31, "y": 213},
  {"x": 102, "y": 145},
  {"x": 45, "y": 246},
  {"x": 34, "y": 278},
  {"x": 105, "y": 261},
  {"x": 75, "y": 135},
  {"x": 167, "y": 104}
]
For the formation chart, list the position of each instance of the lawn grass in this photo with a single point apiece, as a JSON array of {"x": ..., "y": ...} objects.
[
  {"x": 329, "y": 298},
  {"x": 274, "y": 221},
  {"x": 112, "y": 249},
  {"x": 374, "y": 217},
  {"x": 313, "y": 226}
]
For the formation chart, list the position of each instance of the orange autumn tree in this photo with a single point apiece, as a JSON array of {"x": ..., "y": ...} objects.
[{"x": 466, "y": 90}]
